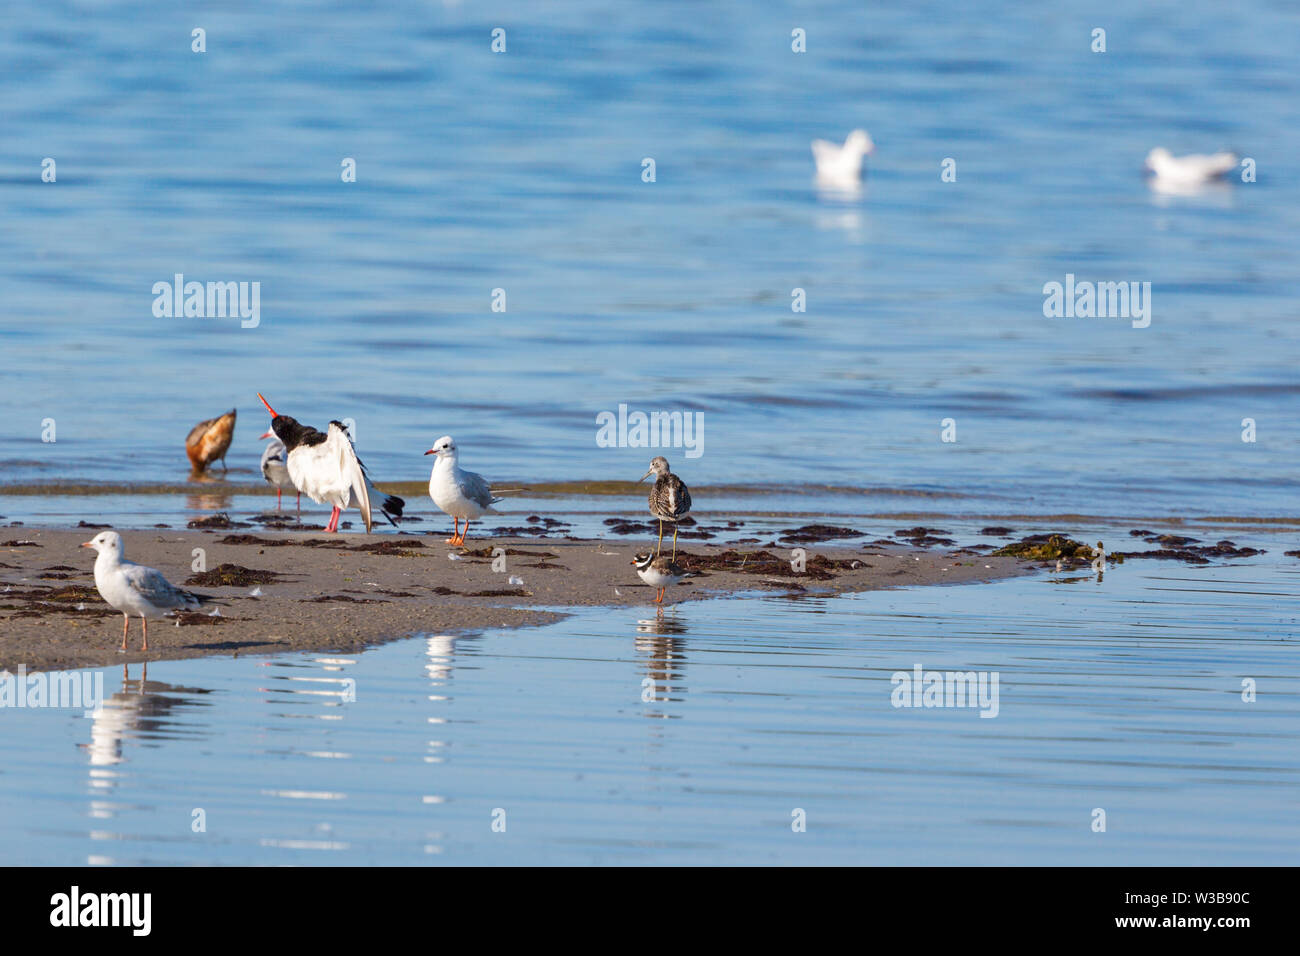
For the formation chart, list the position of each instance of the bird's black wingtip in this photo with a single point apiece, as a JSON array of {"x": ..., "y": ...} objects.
[{"x": 392, "y": 509}]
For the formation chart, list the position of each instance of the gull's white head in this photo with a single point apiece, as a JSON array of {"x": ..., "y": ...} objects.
[
  {"x": 106, "y": 542},
  {"x": 444, "y": 447},
  {"x": 1158, "y": 157},
  {"x": 859, "y": 142}
]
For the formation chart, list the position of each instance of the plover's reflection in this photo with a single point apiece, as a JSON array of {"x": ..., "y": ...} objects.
[{"x": 659, "y": 639}]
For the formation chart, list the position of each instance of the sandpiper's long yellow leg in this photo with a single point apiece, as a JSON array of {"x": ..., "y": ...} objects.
[
  {"x": 674, "y": 541},
  {"x": 660, "y": 545}
]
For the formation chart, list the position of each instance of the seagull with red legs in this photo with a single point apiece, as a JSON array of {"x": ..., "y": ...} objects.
[
  {"x": 325, "y": 467},
  {"x": 275, "y": 469}
]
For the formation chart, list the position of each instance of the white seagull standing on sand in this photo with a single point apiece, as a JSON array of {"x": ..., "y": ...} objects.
[
  {"x": 275, "y": 469},
  {"x": 1189, "y": 171},
  {"x": 842, "y": 165},
  {"x": 134, "y": 589},
  {"x": 460, "y": 493},
  {"x": 327, "y": 468}
]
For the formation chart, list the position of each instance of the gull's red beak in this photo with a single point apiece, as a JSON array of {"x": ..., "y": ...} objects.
[
  {"x": 265, "y": 435},
  {"x": 268, "y": 407},
  {"x": 431, "y": 451},
  {"x": 86, "y": 544}
]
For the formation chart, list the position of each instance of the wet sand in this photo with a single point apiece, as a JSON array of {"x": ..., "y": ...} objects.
[{"x": 346, "y": 591}]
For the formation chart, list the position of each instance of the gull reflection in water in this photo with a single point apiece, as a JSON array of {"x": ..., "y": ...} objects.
[
  {"x": 316, "y": 688},
  {"x": 440, "y": 649},
  {"x": 1215, "y": 194},
  {"x": 838, "y": 211},
  {"x": 142, "y": 712}
]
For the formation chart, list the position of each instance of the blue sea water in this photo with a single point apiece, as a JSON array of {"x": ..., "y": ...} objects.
[{"x": 522, "y": 171}]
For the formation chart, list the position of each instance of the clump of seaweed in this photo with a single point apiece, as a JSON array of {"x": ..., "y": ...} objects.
[
  {"x": 218, "y": 520},
  {"x": 232, "y": 576},
  {"x": 920, "y": 537},
  {"x": 1048, "y": 547},
  {"x": 810, "y": 533}
]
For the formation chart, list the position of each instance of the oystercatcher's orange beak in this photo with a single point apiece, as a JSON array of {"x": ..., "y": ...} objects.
[{"x": 268, "y": 407}]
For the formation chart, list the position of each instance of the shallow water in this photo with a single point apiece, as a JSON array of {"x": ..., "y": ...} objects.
[
  {"x": 1123, "y": 694},
  {"x": 521, "y": 171}
]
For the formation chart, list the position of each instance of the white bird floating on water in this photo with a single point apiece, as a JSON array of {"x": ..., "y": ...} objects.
[
  {"x": 1172, "y": 173},
  {"x": 460, "y": 493},
  {"x": 134, "y": 589},
  {"x": 841, "y": 166}
]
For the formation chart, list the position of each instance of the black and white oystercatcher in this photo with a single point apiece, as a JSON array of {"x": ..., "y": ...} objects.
[{"x": 325, "y": 467}]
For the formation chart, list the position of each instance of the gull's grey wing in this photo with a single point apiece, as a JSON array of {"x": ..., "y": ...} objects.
[
  {"x": 156, "y": 589},
  {"x": 477, "y": 489}
]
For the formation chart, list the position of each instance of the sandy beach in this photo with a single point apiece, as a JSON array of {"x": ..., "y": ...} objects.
[{"x": 347, "y": 591}]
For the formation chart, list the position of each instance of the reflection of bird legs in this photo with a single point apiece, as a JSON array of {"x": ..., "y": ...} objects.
[{"x": 278, "y": 492}]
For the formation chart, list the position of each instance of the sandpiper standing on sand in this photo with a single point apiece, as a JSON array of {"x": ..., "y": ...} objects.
[
  {"x": 460, "y": 493},
  {"x": 670, "y": 500},
  {"x": 659, "y": 572}
]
